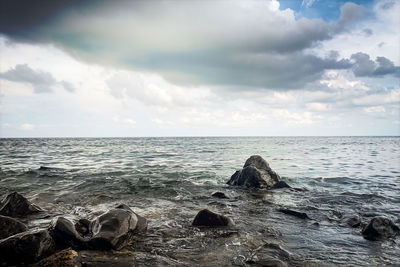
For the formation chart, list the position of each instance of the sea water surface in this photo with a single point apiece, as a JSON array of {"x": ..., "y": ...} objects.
[{"x": 168, "y": 180}]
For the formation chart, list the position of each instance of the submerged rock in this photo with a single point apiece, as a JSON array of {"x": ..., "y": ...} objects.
[
  {"x": 219, "y": 195},
  {"x": 301, "y": 215},
  {"x": 256, "y": 173},
  {"x": 10, "y": 226},
  {"x": 210, "y": 219},
  {"x": 26, "y": 247},
  {"x": 16, "y": 205},
  {"x": 380, "y": 228}
]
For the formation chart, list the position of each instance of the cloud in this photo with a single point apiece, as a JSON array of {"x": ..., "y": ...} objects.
[
  {"x": 68, "y": 86},
  {"x": 41, "y": 81},
  {"x": 124, "y": 121},
  {"x": 247, "y": 44},
  {"x": 308, "y": 3},
  {"x": 375, "y": 109},
  {"x": 27, "y": 127},
  {"x": 364, "y": 66}
]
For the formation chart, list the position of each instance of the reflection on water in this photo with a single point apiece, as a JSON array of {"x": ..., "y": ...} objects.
[{"x": 168, "y": 180}]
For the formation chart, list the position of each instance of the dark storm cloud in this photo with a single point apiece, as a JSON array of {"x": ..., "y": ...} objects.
[
  {"x": 245, "y": 43},
  {"x": 364, "y": 66},
  {"x": 21, "y": 19}
]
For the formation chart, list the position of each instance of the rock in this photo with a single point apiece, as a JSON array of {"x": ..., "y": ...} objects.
[
  {"x": 281, "y": 184},
  {"x": 26, "y": 247},
  {"x": 115, "y": 228},
  {"x": 380, "y": 228},
  {"x": 82, "y": 227},
  {"x": 297, "y": 214},
  {"x": 10, "y": 226},
  {"x": 15, "y": 205},
  {"x": 141, "y": 226},
  {"x": 219, "y": 195},
  {"x": 111, "y": 230},
  {"x": 65, "y": 234},
  {"x": 66, "y": 258},
  {"x": 353, "y": 221},
  {"x": 256, "y": 173},
  {"x": 211, "y": 219}
]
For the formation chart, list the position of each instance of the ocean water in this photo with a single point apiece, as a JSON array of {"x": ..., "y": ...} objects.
[{"x": 168, "y": 180}]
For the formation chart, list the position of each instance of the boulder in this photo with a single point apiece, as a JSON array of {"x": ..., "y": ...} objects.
[
  {"x": 210, "y": 219},
  {"x": 219, "y": 195},
  {"x": 65, "y": 234},
  {"x": 256, "y": 173},
  {"x": 26, "y": 247},
  {"x": 111, "y": 230},
  {"x": 16, "y": 205},
  {"x": 115, "y": 228},
  {"x": 10, "y": 226},
  {"x": 380, "y": 228}
]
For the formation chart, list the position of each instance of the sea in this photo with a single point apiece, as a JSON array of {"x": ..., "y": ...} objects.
[{"x": 168, "y": 180}]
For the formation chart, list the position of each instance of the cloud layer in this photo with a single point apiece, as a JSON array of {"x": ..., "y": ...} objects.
[{"x": 240, "y": 44}]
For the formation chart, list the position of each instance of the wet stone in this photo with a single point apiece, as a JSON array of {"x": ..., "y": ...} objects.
[
  {"x": 208, "y": 218},
  {"x": 256, "y": 173},
  {"x": 26, "y": 247},
  {"x": 10, "y": 226},
  {"x": 380, "y": 228},
  {"x": 16, "y": 205}
]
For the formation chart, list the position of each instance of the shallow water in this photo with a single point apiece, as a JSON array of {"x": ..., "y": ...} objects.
[{"x": 168, "y": 180}]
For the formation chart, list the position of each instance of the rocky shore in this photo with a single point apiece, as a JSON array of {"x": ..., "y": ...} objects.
[{"x": 29, "y": 235}]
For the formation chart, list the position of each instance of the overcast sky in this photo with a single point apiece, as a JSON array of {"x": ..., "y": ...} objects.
[{"x": 194, "y": 68}]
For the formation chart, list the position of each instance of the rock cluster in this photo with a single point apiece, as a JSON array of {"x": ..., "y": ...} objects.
[
  {"x": 256, "y": 173},
  {"x": 114, "y": 229}
]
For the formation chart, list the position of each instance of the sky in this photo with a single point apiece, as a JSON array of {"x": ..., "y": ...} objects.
[{"x": 102, "y": 68}]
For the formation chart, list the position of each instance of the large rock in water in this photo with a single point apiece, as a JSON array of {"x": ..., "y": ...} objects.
[
  {"x": 256, "y": 173},
  {"x": 111, "y": 230},
  {"x": 16, "y": 205},
  {"x": 208, "y": 218},
  {"x": 10, "y": 226},
  {"x": 380, "y": 228},
  {"x": 65, "y": 234},
  {"x": 26, "y": 247},
  {"x": 115, "y": 228}
]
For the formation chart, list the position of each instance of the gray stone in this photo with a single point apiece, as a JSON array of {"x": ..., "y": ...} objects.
[
  {"x": 208, "y": 218},
  {"x": 16, "y": 205},
  {"x": 10, "y": 226},
  {"x": 26, "y": 247},
  {"x": 256, "y": 173},
  {"x": 380, "y": 228}
]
